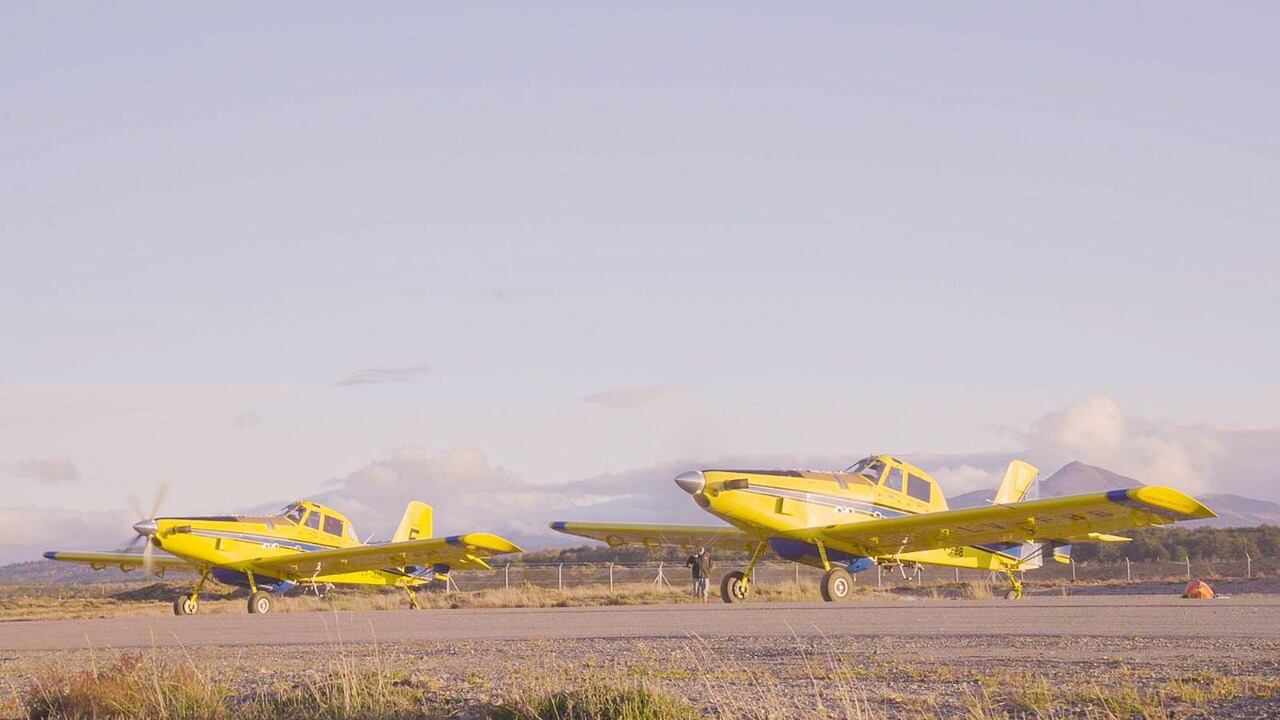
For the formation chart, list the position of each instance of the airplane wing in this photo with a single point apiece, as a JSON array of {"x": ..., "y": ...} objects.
[
  {"x": 1075, "y": 518},
  {"x": 125, "y": 561},
  {"x": 459, "y": 552},
  {"x": 688, "y": 536}
]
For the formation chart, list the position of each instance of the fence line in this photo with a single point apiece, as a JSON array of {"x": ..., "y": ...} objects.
[{"x": 563, "y": 575}]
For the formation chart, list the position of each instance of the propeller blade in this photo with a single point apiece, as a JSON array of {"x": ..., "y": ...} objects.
[
  {"x": 148, "y": 563},
  {"x": 136, "y": 506},
  {"x": 161, "y": 492}
]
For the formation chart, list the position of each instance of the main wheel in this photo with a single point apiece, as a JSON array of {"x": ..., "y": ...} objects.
[
  {"x": 260, "y": 603},
  {"x": 837, "y": 583},
  {"x": 734, "y": 587},
  {"x": 185, "y": 605},
  {"x": 1012, "y": 595}
]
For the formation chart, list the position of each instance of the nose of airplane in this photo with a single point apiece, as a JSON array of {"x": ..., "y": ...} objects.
[
  {"x": 145, "y": 527},
  {"x": 691, "y": 482}
]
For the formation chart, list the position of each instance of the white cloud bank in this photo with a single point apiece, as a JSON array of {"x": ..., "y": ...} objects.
[
  {"x": 470, "y": 492},
  {"x": 1097, "y": 431}
]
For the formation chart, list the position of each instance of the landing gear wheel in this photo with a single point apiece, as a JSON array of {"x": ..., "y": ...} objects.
[
  {"x": 185, "y": 605},
  {"x": 734, "y": 587},
  {"x": 260, "y": 603},
  {"x": 1012, "y": 595},
  {"x": 837, "y": 583}
]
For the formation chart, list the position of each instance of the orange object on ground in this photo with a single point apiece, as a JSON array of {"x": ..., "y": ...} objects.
[{"x": 1198, "y": 590}]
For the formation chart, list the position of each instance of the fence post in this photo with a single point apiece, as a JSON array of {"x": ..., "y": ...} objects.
[
  {"x": 1073, "y": 571},
  {"x": 1248, "y": 567},
  {"x": 610, "y": 577},
  {"x": 1188, "y": 567},
  {"x": 560, "y": 576},
  {"x": 957, "y": 574},
  {"x": 797, "y": 572},
  {"x": 1128, "y": 570},
  {"x": 877, "y": 575},
  {"x": 506, "y": 577}
]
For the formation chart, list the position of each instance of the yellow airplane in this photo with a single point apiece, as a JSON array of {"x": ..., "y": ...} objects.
[
  {"x": 303, "y": 544},
  {"x": 883, "y": 511}
]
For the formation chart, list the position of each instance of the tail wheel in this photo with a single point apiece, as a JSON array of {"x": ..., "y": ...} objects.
[
  {"x": 734, "y": 587},
  {"x": 837, "y": 583},
  {"x": 260, "y": 603},
  {"x": 185, "y": 605}
]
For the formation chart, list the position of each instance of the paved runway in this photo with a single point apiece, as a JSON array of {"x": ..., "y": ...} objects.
[{"x": 1126, "y": 616}]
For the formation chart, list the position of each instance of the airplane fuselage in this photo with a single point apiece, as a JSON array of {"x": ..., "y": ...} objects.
[
  {"x": 789, "y": 509},
  {"x": 228, "y": 545}
]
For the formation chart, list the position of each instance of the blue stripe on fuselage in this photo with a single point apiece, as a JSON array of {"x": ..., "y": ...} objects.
[{"x": 266, "y": 540}]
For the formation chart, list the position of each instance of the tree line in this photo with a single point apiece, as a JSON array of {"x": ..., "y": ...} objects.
[{"x": 1179, "y": 543}]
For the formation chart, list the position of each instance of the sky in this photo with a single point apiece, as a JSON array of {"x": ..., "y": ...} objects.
[{"x": 256, "y": 252}]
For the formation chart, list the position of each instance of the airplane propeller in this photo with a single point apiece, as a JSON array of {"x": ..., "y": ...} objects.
[{"x": 146, "y": 525}]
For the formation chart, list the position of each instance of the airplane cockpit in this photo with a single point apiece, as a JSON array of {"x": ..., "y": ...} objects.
[
  {"x": 870, "y": 468},
  {"x": 912, "y": 483},
  {"x": 319, "y": 518}
]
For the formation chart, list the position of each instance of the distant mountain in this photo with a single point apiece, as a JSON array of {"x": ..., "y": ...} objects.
[
  {"x": 1236, "y": 511},
  {"x": 1077, "y": 478}
]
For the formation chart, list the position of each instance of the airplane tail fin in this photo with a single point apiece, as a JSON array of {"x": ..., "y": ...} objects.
[
  {"x": 416, "y": 523},
  {"x": 1018, "y": 483}
]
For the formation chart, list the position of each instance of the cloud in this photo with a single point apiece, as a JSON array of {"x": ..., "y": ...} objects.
[
  {"x": 629, "y": 398},
  {"x": 50, "y": 470},
  {"x": 247, "y": 420},
  {"x": 470, "y": 492},
  {"x": 385, "y": 376},
  {"x": 26, "y": 532},
  {"x": 1097, "y": 431}
]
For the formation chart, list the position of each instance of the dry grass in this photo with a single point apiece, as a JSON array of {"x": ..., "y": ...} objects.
[
  {"x": 155, "y": 599},
  {"x": 595, "y": 699},
  {"x": 131, "y": 599},
  {"x": 134, "y": 686},
  {"x": 1120, "y": 696},
  {"x": 694, "y": 679}
]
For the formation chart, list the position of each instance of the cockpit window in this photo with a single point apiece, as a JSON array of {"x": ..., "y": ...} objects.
[
  {"x": 293, "y": 513},
  {"x": 313, "y": 520},
  {"x": 870, "y": 468},
  {"x": 895, "y": 479},
  {"x": 333, "y": 525},
  {"x": 919, "y": 488}
]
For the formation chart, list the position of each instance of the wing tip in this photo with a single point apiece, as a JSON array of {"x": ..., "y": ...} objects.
[
  {"x": 51, "y": 555},
  {"x": 559, "y": 525},
  {"x": 495, "y": 544},
  {"x": 1165, "y": 498}
]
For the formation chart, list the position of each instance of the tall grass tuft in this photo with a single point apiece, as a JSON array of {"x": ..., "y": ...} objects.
[
  {"x": 595, "y": 699},
  {"x": 134, "y": 686},
  {"x": 369, "y": 695}
]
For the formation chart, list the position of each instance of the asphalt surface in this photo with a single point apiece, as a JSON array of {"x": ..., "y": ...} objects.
[{"x": 1256, "y": 617}]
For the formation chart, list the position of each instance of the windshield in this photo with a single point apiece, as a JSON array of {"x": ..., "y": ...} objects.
[
  {"x": 868, "y": 467},
  {"x": 292, "y": 512}
]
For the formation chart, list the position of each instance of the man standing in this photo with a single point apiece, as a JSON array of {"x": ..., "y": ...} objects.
[{"x": 700, "y": 562}]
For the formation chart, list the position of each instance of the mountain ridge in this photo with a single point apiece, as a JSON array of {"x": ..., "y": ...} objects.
[{"x": 1077, "y": 478}]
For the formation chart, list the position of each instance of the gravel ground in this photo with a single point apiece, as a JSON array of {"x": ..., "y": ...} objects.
[{"x": 895, "y": 676}]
